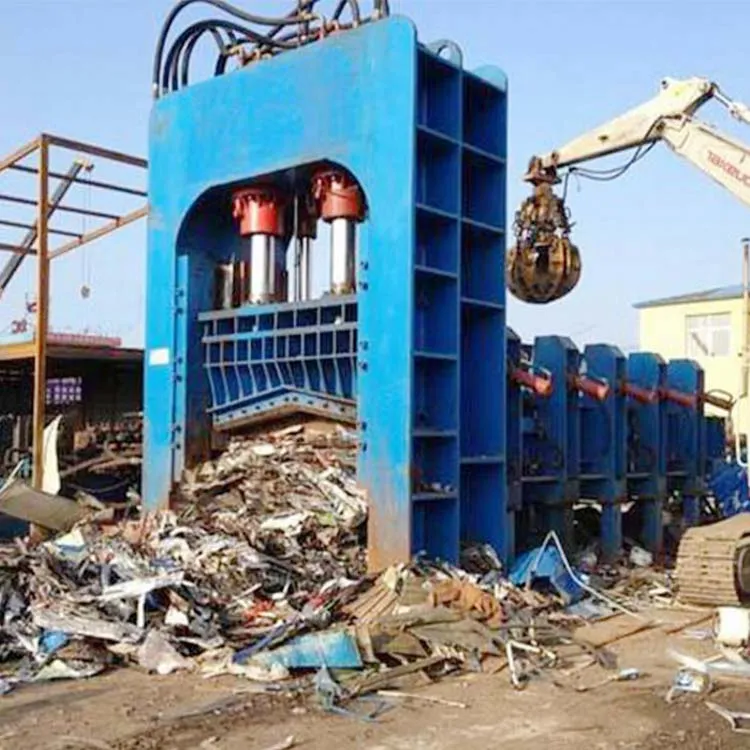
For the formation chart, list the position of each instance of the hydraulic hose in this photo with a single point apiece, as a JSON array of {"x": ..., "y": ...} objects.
[
  {"x": 171, "y": 68},
  {"x": 221, "y": 5},
  {"x": 353, "y": 5}
]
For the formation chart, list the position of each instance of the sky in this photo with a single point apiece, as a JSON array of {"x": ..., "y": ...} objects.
[{"x": 82, "y": 68}]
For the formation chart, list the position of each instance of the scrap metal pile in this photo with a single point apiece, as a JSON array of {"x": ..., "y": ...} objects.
[
  {"x": 260, "y": 572},
  {"x": 105, "y": 460}
]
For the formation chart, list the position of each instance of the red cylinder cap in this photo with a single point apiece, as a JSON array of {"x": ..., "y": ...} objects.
[
  {"x": 259, "y": 210},
  {"x": 337, "y": 195}
]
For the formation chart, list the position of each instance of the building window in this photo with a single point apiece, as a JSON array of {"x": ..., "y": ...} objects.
[
  {"x": 64, "y": 391},
  {"x": 707, "y": 335}
]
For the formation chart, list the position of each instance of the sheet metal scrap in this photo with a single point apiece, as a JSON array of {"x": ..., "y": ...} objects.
[
  {"x": 259, "y": 572},
  {"x": 267, "y": 538}
]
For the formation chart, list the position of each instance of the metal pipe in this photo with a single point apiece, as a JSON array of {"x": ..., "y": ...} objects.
[
  {"x": 32, "y": 227},
  {"x": 82, "y": 181},
  {"x": 725, "y": 402},
  {"x": 305, "y": 269},
  {"x": 343, "y": 255},
  {"x": 93, "y": 150},
  {"x": 223, "y": 286},
  {"x": 16, "y": 249},
  {"x": 67, "y": 209},
  {"x": 20, "y": 153},
  {"x": 298, "y": 269},
  {"x": 11, "y": 267},
  {"x": 42, "y": 318},
  {"x": 263, "y": 276},
  {"x": 117, "y": 223}
]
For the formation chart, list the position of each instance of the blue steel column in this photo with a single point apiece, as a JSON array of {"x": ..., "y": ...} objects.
[
  {"x": 686, "y": 441},
  {"x": 603, "y": 443},
  {"x": 514, "y": 455},
  {"x": 647, "y": 445},
  {"x": 272, "y": 116},
  {"x": 551, "y": 439}
]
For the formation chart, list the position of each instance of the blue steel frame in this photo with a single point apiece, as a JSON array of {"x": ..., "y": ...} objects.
[
  {"x": 603, "y": 439},
  {"x": 427, "y": 142},
  {"x": 551, "y": 440},
  {"x": 647, "y": 446},
  {"x": 513, "y": 436},
  {"x": 685, "y": 438}
]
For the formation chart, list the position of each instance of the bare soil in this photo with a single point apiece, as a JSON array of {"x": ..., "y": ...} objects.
[{"x": 129, "y": 710}]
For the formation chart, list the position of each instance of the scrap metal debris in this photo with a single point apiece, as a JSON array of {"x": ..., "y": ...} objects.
[
  {"x": 738, "y": 720},
  {"x": 259, "y": 571}
]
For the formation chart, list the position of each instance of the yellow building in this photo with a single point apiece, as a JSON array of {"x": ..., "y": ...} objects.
[{"x": 705, "y": 326}]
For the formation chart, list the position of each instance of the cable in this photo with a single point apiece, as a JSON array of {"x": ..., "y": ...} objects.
[
  {"x": 170, "y": 71},
  {"x": 188, "y": 51},
  {"x": 221, "y": 5},
  {"x": 353, "y": 5},
  {"x": 171, "y": 68},
  {"x": 605, "y": 175}
]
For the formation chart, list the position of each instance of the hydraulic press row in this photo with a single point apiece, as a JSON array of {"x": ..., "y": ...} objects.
[{"x": 600, "y": 428}]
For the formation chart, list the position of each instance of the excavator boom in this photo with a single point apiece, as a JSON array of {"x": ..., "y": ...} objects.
[{"x": 544, "y": 265}]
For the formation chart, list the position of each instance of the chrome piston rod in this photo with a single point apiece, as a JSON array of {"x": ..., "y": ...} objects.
[{"x": 343, "y": 256}]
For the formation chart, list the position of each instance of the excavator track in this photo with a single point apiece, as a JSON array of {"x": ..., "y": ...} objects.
[{"x": 713, "y": 563}]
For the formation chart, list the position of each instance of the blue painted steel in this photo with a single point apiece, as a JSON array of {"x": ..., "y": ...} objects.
[
  {"x": 647, "y": 446},
  {"x": 263, "y": 359},
  {"x": 602, "y": 466},
  {"x": 513, "y": 434},
  {"x": 686, "y": 443},
  {"x": 427, "y": 143},
  {"x": 551, "y": 442}
]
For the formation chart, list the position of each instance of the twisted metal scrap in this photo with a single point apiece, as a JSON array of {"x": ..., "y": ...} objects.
[{"x": 543, "y": 265}]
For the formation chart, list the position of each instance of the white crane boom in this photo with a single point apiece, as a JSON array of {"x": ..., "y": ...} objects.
[{"x": 668, "y": 117}]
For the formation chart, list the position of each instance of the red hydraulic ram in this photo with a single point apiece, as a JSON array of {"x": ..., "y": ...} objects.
[
  {"x": 688, "y": 400},
  {"x": 594, "y": 388},
  {"x": 541, "y": 385},
  {"x": 642, "y": 395}
]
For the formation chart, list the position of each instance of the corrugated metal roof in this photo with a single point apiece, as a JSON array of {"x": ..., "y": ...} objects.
[{"x": 722, "y": 292}]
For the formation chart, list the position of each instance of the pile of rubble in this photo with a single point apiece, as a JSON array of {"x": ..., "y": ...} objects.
[{"x": 260, "y": 571}]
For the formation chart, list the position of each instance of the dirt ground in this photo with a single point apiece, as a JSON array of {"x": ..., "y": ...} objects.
[{"x": 129, "y": 710}]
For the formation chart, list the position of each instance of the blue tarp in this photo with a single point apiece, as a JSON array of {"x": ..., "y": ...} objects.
[
  {"x": 728, "y": 485},
  {"x": 336, "y": 650},
  {"x": 549, "y": 566}
]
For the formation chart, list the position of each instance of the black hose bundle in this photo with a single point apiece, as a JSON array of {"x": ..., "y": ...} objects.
[{"x": 246, "y": 34}]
